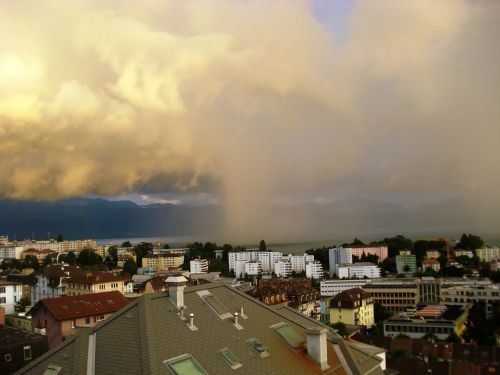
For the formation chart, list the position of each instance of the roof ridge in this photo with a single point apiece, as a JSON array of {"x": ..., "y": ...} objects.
[{"x": 148, "y": 353}]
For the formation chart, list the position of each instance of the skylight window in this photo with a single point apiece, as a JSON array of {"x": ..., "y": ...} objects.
[
  {"x": 185, "y": 365},
  {"x": 292, "y": 337},
  {"x": 259, "y": 347},
  {"x": 230, "y": 358},
  {"x": 52, "y": 370}
]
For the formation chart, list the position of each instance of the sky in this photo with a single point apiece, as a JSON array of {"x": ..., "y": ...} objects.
[{"x": 253, "y": 105}]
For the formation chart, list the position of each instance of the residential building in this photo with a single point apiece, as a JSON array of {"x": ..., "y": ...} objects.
[
  {"x": 431, "y": 263},
  {"x": 4, "y": 240},
  {"x": 298, "y": 262},
  {"x": 330, "y": 288},
  {"x": 406, "y": 263},
  {"x": 467, "y": 295},
  {"x": 11, "y": 252},
  {"x": 487, "y": 254},
  {"x": 163, "y": 262},
  {"x": 352, "y": 306},
  {"x": 95, "y": 282},
  {"x": 337, "y": 256},
  {"x": 358, "y": 270},
  {"x": 380, "y": 251},
  {"x": 266, "y": 259},
  {"x": 27, "y": 281},
  {"x": 18, "y": 348},
  {"x": 314, "y": 270},
  {"x": 59, "y": 318},
  {"x": 394, "y": 294},
  {"x": 49, "y": 281},
  {"x": 440, "y": 320},
  {"x": 463, "y": 253},
  {"x": 154, "y": 335},
  {"x": 124, "y": 258},
  {"x": 198, "y": 266},
  {"x": 10, "y": 294},
  {"x": 252, "y": 268},
  {"x": 283, "y": 268},
  {"x": 432, "y": 254},
  {"x": 20, "y": 321}
]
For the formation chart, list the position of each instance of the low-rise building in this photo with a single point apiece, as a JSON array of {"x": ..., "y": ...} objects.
[
  {"x": 20, "y": 321},
  {"x": 10, "y": 294},
  {"x": 431, "y": 263},
  {"x": 432, "y": 254},
  {"x": 467, "y": 295},
  {"x": 95, "y": 282},
  {"x": 163, "y": 262},
  {"x": 394, "y": 295},
  {"x": 330, "y": 288},
  {"x": 314, "y": 270},
  {"x": 27, "y": 280},
  {"x": 11, "y": 252},
  {"x": 406, "y": 263},
  {"x": 18, "y": 348},
  {"x": 353, "y": 306},
  {"x": 40, "y": 255},
  {"x": 487, "y": 254},
  {"x": 439, "y": 320},
  {"x": 463, "y": 253},
  {"x": 358, "y": 271},
  {"x": 198, "y": 266},
  {"x": 59, "y": 318}
]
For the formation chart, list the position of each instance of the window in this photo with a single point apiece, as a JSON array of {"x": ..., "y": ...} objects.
[
  {"x": 73, "y": 323},
  {"x": 2, "y": 289},
  {"x": 3, "y": 300},
  {"x": 87, "y": 320},
  {"x": 185, "y": 365},
  {"x": 258, "y": 347},
  {"x": 230, "y": 358},
  {"x": 293, "y": 338},
  {"x": 27, "y": 352},
  {"x": 52, "y": 370},
  {"x": 8, "y": 357},
  {"x": 101, "y": 317}
]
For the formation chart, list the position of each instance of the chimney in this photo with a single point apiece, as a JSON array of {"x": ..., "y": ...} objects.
[
  {"x": 176, "y": 285},
  {"x": 191, "y": 320},
  {"x": 317, "y": 346}
]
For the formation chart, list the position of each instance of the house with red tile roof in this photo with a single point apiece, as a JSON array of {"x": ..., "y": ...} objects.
[
  {"x": 95, "y": 282},
  {"x": 59, "y": 318}
]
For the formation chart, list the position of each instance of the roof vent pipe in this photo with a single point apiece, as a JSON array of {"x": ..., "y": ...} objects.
[
  {"x": 235, "y": 318},
  {"x": 317, "y": 348}
]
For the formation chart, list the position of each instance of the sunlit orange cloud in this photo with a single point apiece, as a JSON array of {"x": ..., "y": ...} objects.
[{"x": 255, "y": 100}]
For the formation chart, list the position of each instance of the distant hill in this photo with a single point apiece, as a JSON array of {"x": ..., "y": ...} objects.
[{"x": 101, "y": 218}]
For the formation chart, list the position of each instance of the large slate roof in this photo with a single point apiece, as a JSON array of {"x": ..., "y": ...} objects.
[{"x": 148, "y": 331}]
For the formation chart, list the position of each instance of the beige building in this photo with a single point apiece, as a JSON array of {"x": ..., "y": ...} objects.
[
  {"x": 395, "y": 295},
  {"x": 163, "y": 262},
  {"x": 94, "y": 282},
  {"x": 488, "y": 254},
  {"x": 353, "y": 306},
  {"x": 432, "y": 254}
]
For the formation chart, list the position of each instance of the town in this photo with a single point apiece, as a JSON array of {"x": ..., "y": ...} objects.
[{"x": 431, "y": 306}]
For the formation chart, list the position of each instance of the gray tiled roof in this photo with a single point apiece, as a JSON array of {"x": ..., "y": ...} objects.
[{"x": 137, "y": 339}]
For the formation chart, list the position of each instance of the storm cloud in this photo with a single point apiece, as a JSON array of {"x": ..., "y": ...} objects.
[{"x": 259, "y": 103}]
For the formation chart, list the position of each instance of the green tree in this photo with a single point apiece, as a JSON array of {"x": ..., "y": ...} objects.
[
  {"x": 21, "y": 305},
  {"x": 453, "y": 337},
  {"x": 470, "y": 242},
  {"x": 400, "y": 353},
  {"x": 11, "y": 264},
  {"x": 341, "y": 328},
  {"x": 143, "y": 249},
  {"x": 30, "y": 261},
  {"x": 226, "y": 249},
  {"x": 47, "y": 261},
  {"x": 60, "y": 238},
  {"x": 166, "y": 246},
  {"x": 88, "y": 258},
  {"x": 113, "y": 255},
  {"x": 394, "y": 244},
  {"x": 70, "y": 258},
  {"x": 380, "y": 312},
  {"x": 388, "y": 266},
  {"x": 130, "y": 267},
  {"x": 478, "y": 328},
  {"x": 126, "y": 244},
  {"x": 262, "y": 245}
]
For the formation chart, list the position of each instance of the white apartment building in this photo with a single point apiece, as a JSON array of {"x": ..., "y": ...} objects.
[
  {"x": 314, "y": 270},
  {"x": 198, "y": 266},
  {"x": 11, "y": 252},
  {"x": 337, "y": 256},
  {"x": 283, "y": 268},
  {"x": 299, "y": 262},
  {"x": 4, "y": 240},
  {"x": 488, "y": 254},
  {"x": 330, "y": 288},
  {"x": 162, "y": 262},
  {"x": 252, "y": 268},
  {"x": 49, "y": 282},
  {"x": 10, "y": 293},
  {"x": 465, "y": 295},
  {"x": 358, "y": 271}
]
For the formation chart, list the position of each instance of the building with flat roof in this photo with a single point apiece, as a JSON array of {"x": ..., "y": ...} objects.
[
  {"x": 338, "y": 255},
  {"x": 198, "y": 266},
  {"x": 395, "y": 294},
  {"x": 440, "y": 320},
  {"x": 467, "y": 295},
  {"x": 209, "y": 329},
  {"x": 380, "y": 251},
  {"x": 487, "y": 254},
  {"x": 163, "y": 262},
  {"x": 10, "y": 293},
  {"x": 358, "y": 271},
  {"x": 406, "y": 263}
]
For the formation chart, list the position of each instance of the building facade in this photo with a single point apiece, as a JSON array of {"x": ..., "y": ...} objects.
[
  {"x": 380, "y": 251},
  {"x": 406, "y": 263},
  {"x": 330, "y": 288},
  {"x": 467, "y": 295},
  {"x": 49, "y": 281},
  {"x": 358, "y": 271},
  {"x": 95, "y": 282},
  {"x": 10, "y": 294},
  {"x": 352, "y": 306},
  {"x": 488, "y": 254},
  {"x": 163, "y": 262},
  {"x": 198, "y": 266},
  {"x": 338, "y": 256},
  {"x": 314, "y": 270},
  {"x": 431, "y": 263}
]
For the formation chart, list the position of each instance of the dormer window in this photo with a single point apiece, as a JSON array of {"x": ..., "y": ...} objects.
[{"x": 185, "y": 365}]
